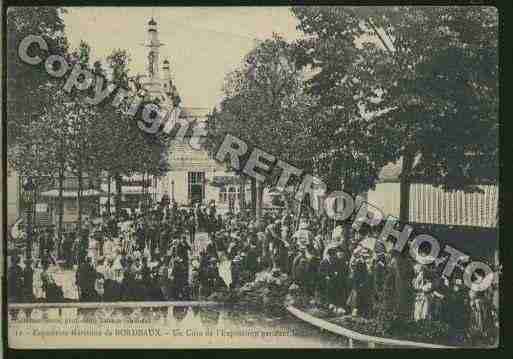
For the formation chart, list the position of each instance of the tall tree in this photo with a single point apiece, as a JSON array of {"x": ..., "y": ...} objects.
[
  {"x": 266, "y": 107},
  {"x": 122, "y": 148},
  {"x": 31, "y": 129},
  {"x": 28, "y": 84},
  {"x": 426, "y": 76}
]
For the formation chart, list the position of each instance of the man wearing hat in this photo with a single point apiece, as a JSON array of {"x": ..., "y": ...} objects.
[
  {"x": 328, "y": 275},
  {"x": 235, "y": 246},
  {"x": 287, "y": 220},
  {"x": 455, "y": 312},
  {"x": 181, "y": 249},
  {"x": 212, "y": 281},
  {"x": 28, "y": 281},
  {"x": 190, "y": 223},
  {"x": 164, "y": 277},
  {"x": 236, "y": 269},
  {"x": 128, "y": 287},
  {"x": 85, "y": 278},
  {"x": 15, "y": 280},
  {"x": 180, "y": 273},
  {"x": 140, "y": 236},
  {"x": 99, "y": 283},
  {"x": 67, "y": 250},
  {"x": 279, "y": 250},
  {"x": 252, "y": 258},
  {"x": 272, "y": 234}
]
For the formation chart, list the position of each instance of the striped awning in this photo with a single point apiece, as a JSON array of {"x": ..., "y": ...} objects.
[
  {"x": 220, "y": 181},
  {"x": 71, "y": 194}
]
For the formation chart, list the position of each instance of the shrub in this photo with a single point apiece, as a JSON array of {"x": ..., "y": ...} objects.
[{"x": 421, "y": 331}]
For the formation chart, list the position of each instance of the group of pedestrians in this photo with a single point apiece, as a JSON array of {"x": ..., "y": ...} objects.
[
  {"x": 353, "y": 273},
  {"x": 156, "y": 257}
]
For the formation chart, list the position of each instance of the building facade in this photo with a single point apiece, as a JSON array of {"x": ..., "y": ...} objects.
[{"x": 193, "y": 173}]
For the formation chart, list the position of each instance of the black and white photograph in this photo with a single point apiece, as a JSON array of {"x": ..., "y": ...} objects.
[{"x": 251, "y": 177}]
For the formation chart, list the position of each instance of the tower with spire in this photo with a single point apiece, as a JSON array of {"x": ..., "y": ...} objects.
[
  {"x": 153, "y": 83},
  {"x": 191, "y": 168}
]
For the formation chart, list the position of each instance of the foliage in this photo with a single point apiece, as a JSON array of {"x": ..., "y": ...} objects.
[
  {"x": 428, "y": 330},
  {"x": 353, "y": 152},
  {"x": 124, "y": 149},
  {"x": 266, "y": 293},
  {"x": 421, "y": 331},
  {"x": 265, "y": 106},
  {"x": 31, "y": 133},
  {"x": 28, "y": 84},
  {"x": 418, "y": 83}
]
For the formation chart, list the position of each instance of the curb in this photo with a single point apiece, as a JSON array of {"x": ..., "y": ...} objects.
[{"x": 352, "y": 335}]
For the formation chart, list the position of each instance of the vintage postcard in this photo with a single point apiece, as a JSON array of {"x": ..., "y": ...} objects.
[{"x": 252, "y": 177}]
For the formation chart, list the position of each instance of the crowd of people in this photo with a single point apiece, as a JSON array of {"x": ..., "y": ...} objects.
[{"x": 156, "y": 257}]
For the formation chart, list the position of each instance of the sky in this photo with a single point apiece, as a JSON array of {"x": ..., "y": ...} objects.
[{"x": 202, "y": 44}]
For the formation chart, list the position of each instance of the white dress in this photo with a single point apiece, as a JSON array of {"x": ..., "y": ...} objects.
[
  {"x": 38, "y": 283},
  {"x": 423, "y": 297},
  {"x": 108, "y": 249},
  {"x": 93, "y": 249},
  {"x": 117, "y": 269}
]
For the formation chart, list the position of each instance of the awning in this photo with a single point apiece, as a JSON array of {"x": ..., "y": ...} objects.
[
  {"x": 71, "y": 194},
  {"x": 133, "y": 190},
  {"x": 219, "y": 181}
]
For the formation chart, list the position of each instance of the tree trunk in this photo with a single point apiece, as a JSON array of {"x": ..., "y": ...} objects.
[
  {"x": 347, "y": 187},
  {"x": 404, "y": 184},
  {"x": 79, "y": 199},
  {"x": 145, "y": 193},
  {"x": 117, "y": 202},
  {"x": 60, "y": 204},
  {"x": 242, "y": 191},
  {"x": 253, "y": 196},
  {"x": 260, "y": 194},
  {"x": 108, "y": 194}
]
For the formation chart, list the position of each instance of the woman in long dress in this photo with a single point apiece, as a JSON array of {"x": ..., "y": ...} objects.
[
  {"x": 481, "y": 321},
  {"x": 38, "y": 283},
  {"x": 423, "y": 288},
  {"x": 359, "y": 298}
]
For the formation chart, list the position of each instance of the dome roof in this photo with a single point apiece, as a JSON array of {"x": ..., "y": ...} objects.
[
  {"x": 152, "y": 22},
  {"x": 166, "y": 62}
]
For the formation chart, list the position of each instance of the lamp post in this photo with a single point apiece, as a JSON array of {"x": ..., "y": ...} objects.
[
  {"x": 28, "y": 187},
  {"x": 173, "y": 190}
]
